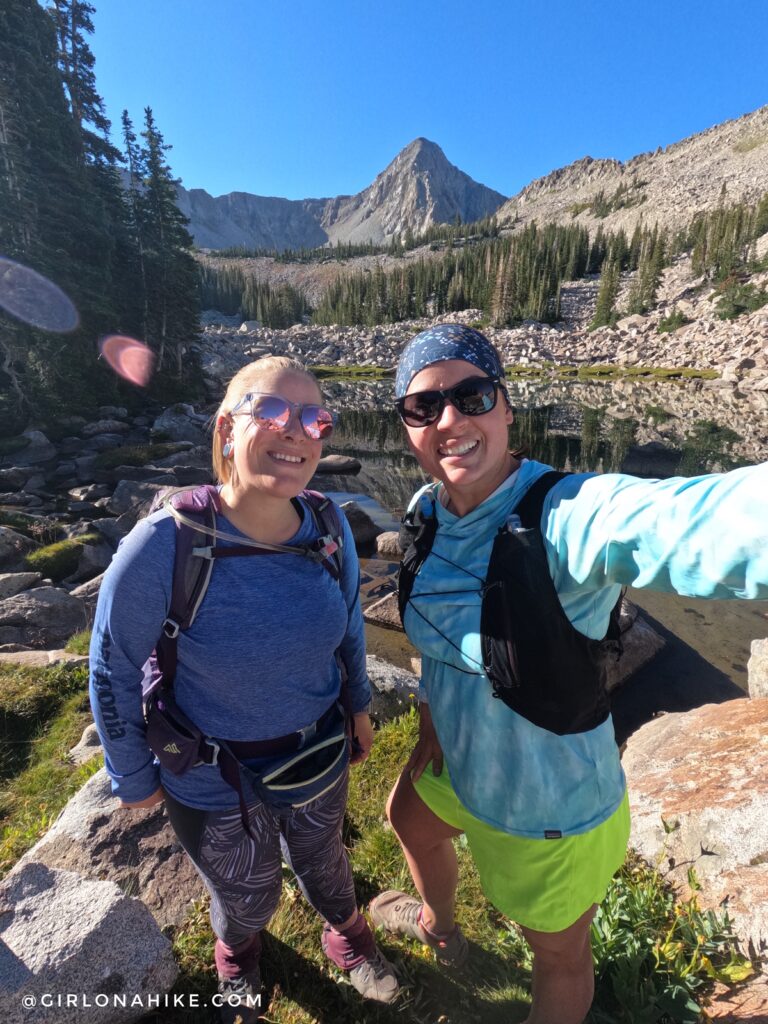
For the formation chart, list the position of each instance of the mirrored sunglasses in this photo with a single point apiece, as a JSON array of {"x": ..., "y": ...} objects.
[
  {"x": 474, "y": 396},
  {"x": 271, "y": 412}
]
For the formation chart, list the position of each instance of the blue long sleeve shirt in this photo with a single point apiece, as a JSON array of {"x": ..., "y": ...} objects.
[
  {"x": 701, "y": 537},
  {"x": 257, "y": 662}
]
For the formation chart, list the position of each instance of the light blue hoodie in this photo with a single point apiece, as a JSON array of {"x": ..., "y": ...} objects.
[{"x": 700, "y": 537}]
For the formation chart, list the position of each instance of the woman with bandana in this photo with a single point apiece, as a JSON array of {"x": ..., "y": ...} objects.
[{"x": 533, "y": 779}]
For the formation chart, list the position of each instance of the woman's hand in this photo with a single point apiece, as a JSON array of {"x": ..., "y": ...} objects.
[
  {"x": 155, "y": 798},
  {"x": 362, "y": 730},
  {"x": 427, "y": 749}
]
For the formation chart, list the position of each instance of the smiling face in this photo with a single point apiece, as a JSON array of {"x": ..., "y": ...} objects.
[
  {"x": 279, "y": 463},
  {"x": 469, "y": 454}
]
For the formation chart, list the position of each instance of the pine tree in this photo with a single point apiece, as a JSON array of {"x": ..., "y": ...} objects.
[
  {"x": 606, "y": 295},
  {"x": 50, "y": 216},
  {"x": 170, "y": 270}
]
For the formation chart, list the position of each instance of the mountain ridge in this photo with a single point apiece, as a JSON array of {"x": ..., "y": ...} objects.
[
  {"x": 669, "y": 184},
  {"x": 418, "y": 188}
]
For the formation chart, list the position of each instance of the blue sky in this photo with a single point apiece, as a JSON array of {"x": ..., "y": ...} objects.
[{"x": 307, "y": 99}]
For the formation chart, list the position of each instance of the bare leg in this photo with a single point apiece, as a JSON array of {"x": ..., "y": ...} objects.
[
  {"x": 426, "y": 843},
  {"x": 563, "y": 973}
]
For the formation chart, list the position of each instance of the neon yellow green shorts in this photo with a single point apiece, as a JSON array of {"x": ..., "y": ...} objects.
[{"x": 542, "y": 884}]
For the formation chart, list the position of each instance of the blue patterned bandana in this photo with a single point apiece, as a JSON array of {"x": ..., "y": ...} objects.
[{"x": 443, "y": 342}]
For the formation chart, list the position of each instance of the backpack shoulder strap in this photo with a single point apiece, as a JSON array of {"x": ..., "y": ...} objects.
[
  {"x": 530, "y": 506},
  {"x": 191, "y": 571},
  {"x": 330, "y": 543},
  {"x": 417, "y": 535}
]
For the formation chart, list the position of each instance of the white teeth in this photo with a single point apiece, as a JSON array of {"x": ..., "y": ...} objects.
[
  {"x": 458, "y": 449},
  {"x": 285, "y": 458}
]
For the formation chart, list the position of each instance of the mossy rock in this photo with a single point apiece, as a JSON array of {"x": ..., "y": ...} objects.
[
  {"x": 59, "y": 560},
  {"x": 134, "y": 455}
]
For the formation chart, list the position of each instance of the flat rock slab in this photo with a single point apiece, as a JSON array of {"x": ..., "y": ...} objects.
[
  {"x": 12, "y": 583},
  {"x": 97, "y": 838},
  {"x": 384, "y": 612},
  {"x": 748, "y": 1002},
  {"x": 41, "y": 618},
  {"x": 341, "y": 464},
  {"x": 64, "y": 934},
  {"x": 705, "y": 774},
  {"x": 42, "y": 659}
]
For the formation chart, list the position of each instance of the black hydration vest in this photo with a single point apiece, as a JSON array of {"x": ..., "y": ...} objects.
[{"x": 537, "y": 663}]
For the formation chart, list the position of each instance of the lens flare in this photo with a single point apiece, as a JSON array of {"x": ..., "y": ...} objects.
[
  {"x": 34, "y": 299},
  {"x": 132, "y": 359}
]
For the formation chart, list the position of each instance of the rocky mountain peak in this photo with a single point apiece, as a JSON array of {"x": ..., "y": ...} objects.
[{"x": 420, "y": 187}]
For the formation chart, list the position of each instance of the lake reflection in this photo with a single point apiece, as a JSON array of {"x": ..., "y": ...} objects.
[{"x": 648, "y": 429}]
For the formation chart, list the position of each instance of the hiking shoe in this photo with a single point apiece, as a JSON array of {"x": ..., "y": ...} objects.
[
  {"x": 375, "y": 979},
  {"x": 399, "y": 913},
  {"x": 240, "y": 998},
  {"x": 355, "y": 951}
]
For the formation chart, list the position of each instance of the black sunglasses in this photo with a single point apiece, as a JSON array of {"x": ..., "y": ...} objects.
[{"x": 474, "y": 396}]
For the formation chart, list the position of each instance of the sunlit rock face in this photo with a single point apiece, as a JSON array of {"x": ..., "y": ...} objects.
[{"x": 698, "y": 793}]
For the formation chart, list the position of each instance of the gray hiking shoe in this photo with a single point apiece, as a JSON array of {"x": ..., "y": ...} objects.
[
  {"x": 399, "y": 913},
  {"x": 241, "y": 998},
  {"x": 375, "y": 978}
]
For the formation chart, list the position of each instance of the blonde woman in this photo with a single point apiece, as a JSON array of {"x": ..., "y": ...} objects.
[{"x": 258, "y": 674}]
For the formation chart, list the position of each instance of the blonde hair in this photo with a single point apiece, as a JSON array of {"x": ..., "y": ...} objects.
[{"x": 245, "y": 380}]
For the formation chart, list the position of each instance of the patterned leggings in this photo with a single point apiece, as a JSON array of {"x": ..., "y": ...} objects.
[{"x": 243, "y": 874}]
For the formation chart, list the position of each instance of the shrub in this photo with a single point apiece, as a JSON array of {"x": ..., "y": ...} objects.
[
  {"x": 736, "y": 298},
  {"x": 656, "y": 414},
  {"x": 672, "y": 322}
]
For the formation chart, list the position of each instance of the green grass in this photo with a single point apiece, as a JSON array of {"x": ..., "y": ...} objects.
[
  {"x": 79, "y": 643},
  {"x": 344, "y": 372},
  {"x": 39, "y": 528},
  {"x": 654, "y": 956},
  {"x": 42, "y": 716},
  {"x": 647, "y": 946},
  {"x": 58, "y": 560},
  {"x": 30, "y": 698}
]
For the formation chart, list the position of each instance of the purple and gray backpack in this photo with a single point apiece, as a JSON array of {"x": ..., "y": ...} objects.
[{"x": 176, "y": 741}]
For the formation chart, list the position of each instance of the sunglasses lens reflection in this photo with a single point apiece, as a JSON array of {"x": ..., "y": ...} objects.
[
  {"x": 471, "y": 397},
  {"x": 272, "y": 413},
  {"x": 316, "y": 421}
]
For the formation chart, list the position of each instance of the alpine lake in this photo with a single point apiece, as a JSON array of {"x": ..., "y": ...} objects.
[{"x": 649, "y": 428}]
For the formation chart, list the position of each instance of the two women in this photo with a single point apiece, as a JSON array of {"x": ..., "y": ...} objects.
[
  {"x": 259, "y": 674},
  {"x": 508, "y": 590}
]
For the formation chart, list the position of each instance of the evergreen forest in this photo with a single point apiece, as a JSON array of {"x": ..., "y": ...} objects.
[{"x": 100, "y": 222}]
